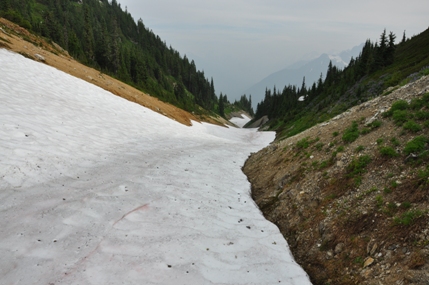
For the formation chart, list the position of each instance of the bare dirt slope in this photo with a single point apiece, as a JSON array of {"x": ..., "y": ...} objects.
[
  {"x": 353, "y": 212},
  {"x": 21, "y": 41}
]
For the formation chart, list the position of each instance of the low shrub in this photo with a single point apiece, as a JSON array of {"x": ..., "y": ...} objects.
[
  {"x": 412, "y": 126},
  {"x": 408, "y": 218},
  {"x": 396, "y": 106},
  {"x": 416, "y": 104},
  {"x": 351, "y": 133},
  {"x": 375, "y": 124},
  {"x": 422, "y": 115},
  {"x": 388, "y": 151},
  {"x": 416, "y": 145},
  {"x": 395, "y": 141},
  {"x": 357, "y": 165},
  {"x": 303, "y": 143},
  {"x": 400, "y": 117},
  {"x": 360, "y": 148}
]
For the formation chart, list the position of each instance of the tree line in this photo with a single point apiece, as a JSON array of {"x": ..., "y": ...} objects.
[
  {"x": 286, "y": 104},
  {"x": 99, "y": 33}
]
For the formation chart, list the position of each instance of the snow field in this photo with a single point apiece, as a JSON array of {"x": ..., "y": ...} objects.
[{"x": 98, "y": 190}]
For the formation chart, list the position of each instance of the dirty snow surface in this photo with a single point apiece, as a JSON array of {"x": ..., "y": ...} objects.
[{"x": 98, "y": 190}]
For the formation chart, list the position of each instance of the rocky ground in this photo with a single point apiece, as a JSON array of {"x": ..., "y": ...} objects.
[{"x": 349, "y": 196}]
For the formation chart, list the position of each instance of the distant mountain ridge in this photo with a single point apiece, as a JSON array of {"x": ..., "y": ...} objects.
[{"x": 294, "y": 74}]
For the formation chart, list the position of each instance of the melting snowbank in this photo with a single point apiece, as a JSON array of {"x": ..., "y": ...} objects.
[
  {"x": 240, "y": 122},
  {"x": 98, "y": 190}
]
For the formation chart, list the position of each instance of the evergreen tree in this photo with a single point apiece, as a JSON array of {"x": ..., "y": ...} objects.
[
  {"x": 221, "y": 105},
  {"x": 88, "y": 42},
  {"x": 404, "y": 39},
  {"x": 390, "y": 52},
  {"x": 381, "y": 51}
]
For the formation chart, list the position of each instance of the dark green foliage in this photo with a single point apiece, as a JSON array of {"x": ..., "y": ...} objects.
[
  {"x": 100, "y": 34},
  {"x": 375, "y": 124},
  {"x": 400, "y": 116},
  {"x": 424, "y": 175},
  {"x": 416, "y": 145},
  {"x": 221, "y": 106},
  {"x": 319, "y": 146},
  {"x": 388, "y": 151},
  {"x": 421, "y": 115},
  {"x": 394, "y": 142},
  {"x": 351, "y": 133},
  {"x": 416, "y": 104},
  {"x": 379, "y": 66},
  {"x": 245, "y": 104},
  {"x": 303, "y": 143},
  {"x": 16, "y": 17},
  {"x": 357, "y": 166},
  {"x": 412, "y": 126},
  {"x": 401, "y": 105},
  {"x": 360, "y": 148},
  {"x": 365, "y": 131}
]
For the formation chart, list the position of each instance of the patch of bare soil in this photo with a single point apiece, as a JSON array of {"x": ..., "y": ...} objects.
[
  {"x": 19, "y": 40},
  {"x": 351, "y": 213}
]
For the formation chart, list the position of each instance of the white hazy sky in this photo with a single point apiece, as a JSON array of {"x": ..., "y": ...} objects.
[{"x": 239, "y": 42}]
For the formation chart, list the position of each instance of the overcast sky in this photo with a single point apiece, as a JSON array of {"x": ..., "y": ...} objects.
[{"x": 240, "y": 42}]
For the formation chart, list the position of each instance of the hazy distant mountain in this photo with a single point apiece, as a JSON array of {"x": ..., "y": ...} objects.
[{"x": 294, "y": 73}]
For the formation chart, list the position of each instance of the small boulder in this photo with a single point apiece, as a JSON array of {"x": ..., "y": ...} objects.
[{"x": 39, "y": 58}]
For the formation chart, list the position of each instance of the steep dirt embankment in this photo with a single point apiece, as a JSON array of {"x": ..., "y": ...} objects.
[
  {"x": 351, "y": 195},
  {"x": 19, "y": 40}
]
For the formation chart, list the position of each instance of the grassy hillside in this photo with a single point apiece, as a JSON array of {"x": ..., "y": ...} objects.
[
  {"x": 365, "y": 78},
  {"x": 347, "y": 180},
  {"x": 351, "y": 195}
]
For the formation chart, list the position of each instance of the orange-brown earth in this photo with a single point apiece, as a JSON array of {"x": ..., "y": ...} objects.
[{"x": 18, "y": 39}]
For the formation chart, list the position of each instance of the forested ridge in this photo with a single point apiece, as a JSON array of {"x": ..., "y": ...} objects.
[
  {"x": 380, "y": 65},
  {"x": 99, "y": 33}
]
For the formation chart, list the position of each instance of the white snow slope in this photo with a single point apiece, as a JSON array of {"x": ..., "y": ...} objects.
[
  {"x": 98, "y": 190},
  {"x": 240, "y": 121}
]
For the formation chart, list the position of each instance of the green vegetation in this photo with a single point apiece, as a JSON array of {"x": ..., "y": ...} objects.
[
  {"x": 395, "y": 142},
  {"x": 400, "y": 105},
  {"x": 357, "y": 167},
  {"x": 416, "y": 145},
  {"x": 351, "y": 133},
  {"x": 360, "y": 148},
  {"x": 423, "y": 175},
  {"x": 388, "y": 151},
  {"x": 379, "y": 201},
  {"x": 379, "y": 66},
  {"x": 303, "y": 143},
  {"x": 387, "y": 190},
  {"x": 371, "y": 126},
  {"x": 400, "y": 117},
  {"x": 376, "y": 124},
  {"x": 412, "y": 126},
  {"x": 100, "y": 34},
  {"x": 319, "y": 146},
  {"x": 408, "y": 218}
]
